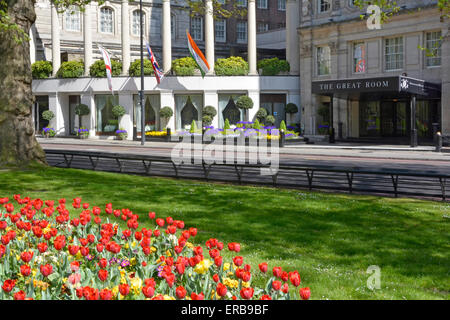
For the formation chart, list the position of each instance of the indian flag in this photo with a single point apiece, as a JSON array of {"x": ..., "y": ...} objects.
[{"x": 197, "y": 55}]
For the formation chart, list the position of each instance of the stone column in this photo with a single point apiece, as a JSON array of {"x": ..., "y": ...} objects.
[
  {"x": 209, "y": 35},
  {"x": 125, "y": 38},
  {"x": 292, "y": 44},
  {"x": 56, "y": 54},
  {"x": 445, "y": 63},
  {"x": 32, "y": 44},
  {"x": 166, "y": 37},
  {"x": 87, "y": 39},
  {"x": 251, "y": 37}
]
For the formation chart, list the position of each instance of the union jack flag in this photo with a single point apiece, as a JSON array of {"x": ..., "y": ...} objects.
[{"x": 158, "y": 73}]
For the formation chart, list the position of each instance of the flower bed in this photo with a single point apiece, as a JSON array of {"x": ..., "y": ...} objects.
[{"x": 44, "y": 254}]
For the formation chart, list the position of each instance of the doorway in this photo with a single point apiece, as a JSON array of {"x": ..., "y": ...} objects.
[
  {"x": 40, "y": 106},
  {"x": 275, "y": 105},
  {"x": 73, "y": 102}
]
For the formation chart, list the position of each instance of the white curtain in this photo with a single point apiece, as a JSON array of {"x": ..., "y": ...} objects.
[
  {"x": 155, "y": 102},
  {"x": 223, "y": 101},
  {"x": 180, "y": 102}
]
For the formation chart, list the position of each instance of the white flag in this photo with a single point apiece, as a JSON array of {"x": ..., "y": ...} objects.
[{"x": 107, "y": 60}]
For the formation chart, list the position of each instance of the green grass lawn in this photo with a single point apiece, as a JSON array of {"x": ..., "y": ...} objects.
[{"x": 330, "y": 239}]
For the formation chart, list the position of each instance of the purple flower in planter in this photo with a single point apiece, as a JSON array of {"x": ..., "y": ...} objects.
[{"x": 121, "y": 131}]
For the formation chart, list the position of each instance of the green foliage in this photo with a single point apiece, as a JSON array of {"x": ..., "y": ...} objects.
[
  {"x": 41, "y": 69},
  {"x": 82, "y": 110},
  {"x": 193, "y": 128},
  {"x": 291, "y": 108},
  {"x": 261, "y": 114},
  {"x": 71, "y": 69},
  {"x": 270, "y": 120},
  {"x": 118, "y": 111},
  {"x": 135, "y": 68},
  {"x": 98, "y": 70},
  {"x": 184, "y": 66},
  {"x": 166, "y": 113},
  {"x": 206, "y": 120},
  {"x": 272, "y": 67},
  {"x": 244, "y": 102},
  {"x": 210, "y": 111},
  {"x": 48, "y": 115},
  {"x": 324, "y": 112},
  {"x": 256, "y": 125},
  {"x": 283, "y": 126},
  {"x": 232, "y": 66},
  {"x": 226, "y": 125}
]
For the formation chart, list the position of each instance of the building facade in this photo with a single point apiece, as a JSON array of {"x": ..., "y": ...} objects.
[
  {"x": 73, "y": 34},
  {"x": 374, "y": 84}
]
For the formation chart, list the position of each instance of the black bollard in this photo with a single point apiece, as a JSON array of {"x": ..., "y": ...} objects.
[{"x": 438, "y": 142}]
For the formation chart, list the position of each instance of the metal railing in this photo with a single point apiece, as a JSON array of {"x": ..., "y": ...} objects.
[{"x": 339, "y": 178}]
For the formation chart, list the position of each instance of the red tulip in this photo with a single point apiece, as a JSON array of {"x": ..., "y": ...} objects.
[
  {"x": 25, "y": 270},
  {"x": 73, "y": 250},
  {"x": 105, "y": 294},
  {"x": 151, "y": 215},
  {"x": 266, "y": 297},
  {"x": 294, "y": 277},
  {"x": 199, "y": 296},
  {"x": 74, "y": 266},
  {"x": 99, "y": 247},
  {"x": 277, "y": 271},
  {"x": 160, "y": 222},
  {"x": 221, "y": 289},
  {"x": 238, "y": 260},
  {"x": 284, "y": 276},
  {"x": 103, "y": 274},
  {"x": 285, "y": 288},
  {"x": 276, "y": 285},
  {"x": 263, "y": 267},
  {"x": 305, "y": 293},
  {"x": 124, "y": 289},
  {"x": 193, "y": 232},
  {"x": 103, "y": 263},
  {"x": 216, "y": 277},
  {"x": 148, "y": 291},
  {"x": 84, "y": 251},
  {"x": 247, "y": 293},
  {"x": 8, "y": 285},
  {"x": 46, "y": 270},
  {"x": 180, "y": 292},
  {"x": 218, "y": 261},
  {"x": 26, "y": 256},
  {"x": 20, "y": 295}
]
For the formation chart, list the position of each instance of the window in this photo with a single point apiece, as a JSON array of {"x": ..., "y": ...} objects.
[
  {"x": 433, "y": 46},
  {"x": 282, "y": 5},
  {"x": 173, "y": 26},
  {"x": 106, "y": 122},
  {"x": 197, "y": 28},
  {"x": 241, "y": 3},
  {"x": 262, "y": 27},
  {"x": 324, "y": 5},
  {"x": 136, "y": 23},
  {"x": 241, "y": 32},
  {"x": 393, "y": 52},
  {"x": 221, "y": 30},
  {"x": 323, "y": 60},
  {"x": 359, "y": 57},
  {"x": 73, "y": 18},
  {"x": 106, "y": 20},
  {"x": 261, "y": 4}
]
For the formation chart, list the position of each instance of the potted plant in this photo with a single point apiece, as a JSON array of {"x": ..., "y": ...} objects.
[
  {"x": 291, "y": 108},
  {"x": 83, "y": 133},
  {"x": 81, "y": 110},
  {"x": 244, "y": 103},
  {"x": 48, "y": 115},
  {"x": 49, "y": 132},
  {"x": 118, "y": 111},
  {"x": 166, "y": 113},
  {"x": 121, "y": 134}
]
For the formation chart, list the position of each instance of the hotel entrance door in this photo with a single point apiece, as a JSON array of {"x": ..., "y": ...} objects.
[{"x": 395, "y": 117}]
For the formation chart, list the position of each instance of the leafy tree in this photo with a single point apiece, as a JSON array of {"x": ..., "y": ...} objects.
[{"x": 135, "y": 68}]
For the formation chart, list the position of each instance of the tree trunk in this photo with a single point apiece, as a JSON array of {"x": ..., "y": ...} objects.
[{"x": 18, "y": 144}]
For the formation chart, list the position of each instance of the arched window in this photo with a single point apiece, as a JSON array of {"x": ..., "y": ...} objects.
[
  {"x": 73, "y": 19},
  {"x": 136, "y": 23},
  {"x": 106, "y": 20}
]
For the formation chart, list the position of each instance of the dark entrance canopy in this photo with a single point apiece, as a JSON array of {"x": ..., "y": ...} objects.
[
  {"x": 401, "y": 86},
  {"x": 398, "y": 84}
]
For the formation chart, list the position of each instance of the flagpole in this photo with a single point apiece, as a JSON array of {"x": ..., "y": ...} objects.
[{"x": 142, "y": 77}]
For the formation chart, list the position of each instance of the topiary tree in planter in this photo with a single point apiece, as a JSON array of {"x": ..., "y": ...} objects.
[
  {"x": 256, "y": 125},
  {"x": 81, "y": 110},
  {"x": 118, "y": 111},
  {"x": 166, "y": 113},
  {"x": 48, "y": 115},
  {"x": 226, "y": 125},
  {"x": 193, "y": 127},
  {"x": 283, "y": 126},
  {"x": 206, "y": 120},
  {"x": 291, "y": 108},
  {"x": 244, "y": 103},
  {"x": 270, "y": 120},
  {"x": 41, "y": 69},
  {"x": 261, "y": 114},
  {"x": 210, "y": 111}
]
